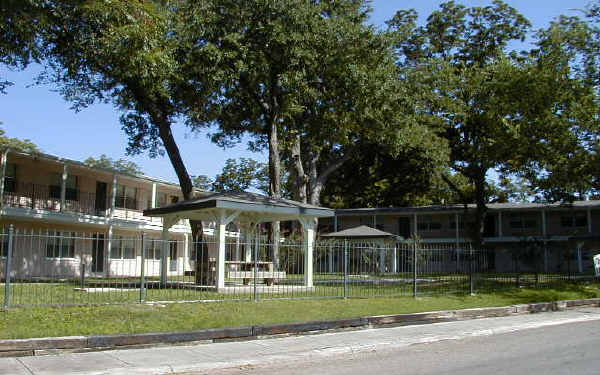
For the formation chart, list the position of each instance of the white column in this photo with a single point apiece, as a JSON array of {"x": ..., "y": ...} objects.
[
  {"x": 108, "y": 250},
  {"x": 221, "y": 225},
  {"x": 330, "y": 259},
  {"x": 113, "y": 196},
  {"x": 415, "y": 225},
  {"x": 375, "y": 221},
  {"x": 63, "y": 187},
  {"x": 164, "y": 252},
  {"x": 335, "y": 223},
  {"x": 579, "y": 257},
  {"x": 456, "y": 230},
  {"x": 394, "y": 264},
  {"x": 248, "y": 245},
  {"x": 309, "y": 237},
  {"x": 238, "y": 253},
  {"x": 153, "y": 199},
  {"x": 247, "y": 229},
  {"x": 589, "y": 220},
  {"x": 382, "y": 258},
  {"x": 3, "y": 161},
  {"x": 499, "y": 223},
  {"x": 186, "y": 251},
  {"x": 544, "y": 230},
  {"x": 221, "y": 255}
]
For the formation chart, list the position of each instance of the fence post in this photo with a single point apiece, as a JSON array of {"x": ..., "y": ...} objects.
[
  {"x": 471, "y": 280},
  {"x": 142, "y": 270},
  {"x": 7, "y": 269},
  {"x": 345, "y": 268},
  {"x": 82, "y": 271},
  {"x": 415, "y": 269},
  {"x": 257, "y": 244}
]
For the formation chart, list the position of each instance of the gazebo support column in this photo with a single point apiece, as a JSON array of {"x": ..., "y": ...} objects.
[
  {"x": 394, "y": 260},
  {"x": 163, "y": 256},
  {"x": 308, "y": 225},
  {"x": 222, "y": 220},
  {"x": 382, "y": 250}
]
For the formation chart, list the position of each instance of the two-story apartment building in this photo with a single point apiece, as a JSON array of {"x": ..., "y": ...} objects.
[
  {"x": 556, "y": 229},
  {"x": 67, "y": 214}
]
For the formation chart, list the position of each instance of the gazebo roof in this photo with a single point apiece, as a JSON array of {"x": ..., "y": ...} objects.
[
  {"x": 250, "y": 207},
  {"x": 362, "y": 231}
]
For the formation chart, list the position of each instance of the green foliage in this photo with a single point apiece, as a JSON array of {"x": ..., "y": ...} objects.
[
  {"x": 120, "y": 165},
  {"x": 202, "y": 182},
  {"x": 375, "y": 178},
  {"x": 21, "y": 22},
  {"x": 241, "y": 175},
  {"x": 497, "y": 110},
  {"x": 567, "y": 168},
  {"x": 15, "y": 144}
]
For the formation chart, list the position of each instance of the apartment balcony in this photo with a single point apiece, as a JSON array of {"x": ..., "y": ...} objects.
[
  {"x": 47, "y": 198},
  {"x": 44, "y": 197}
]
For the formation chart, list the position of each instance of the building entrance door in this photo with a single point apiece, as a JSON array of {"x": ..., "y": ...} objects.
[
  {"x": 98, "y": 253},
  {"x": 100, "y": 204}
]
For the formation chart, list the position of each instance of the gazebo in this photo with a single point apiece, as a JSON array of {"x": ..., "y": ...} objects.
[
  {"x": 362, "y": 234},
  {"x": 247, "y": 210}
]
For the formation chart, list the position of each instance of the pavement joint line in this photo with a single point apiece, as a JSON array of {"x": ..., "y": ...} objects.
[
  {"x": 25, "y": 366},
  {"x": 108, "y": 353}
]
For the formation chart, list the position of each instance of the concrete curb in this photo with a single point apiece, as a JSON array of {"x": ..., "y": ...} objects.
[{"x": 76, "y": 344}]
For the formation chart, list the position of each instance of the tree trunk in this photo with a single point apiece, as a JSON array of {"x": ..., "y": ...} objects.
[
  {"x": 481, "y": 210},
  {"x": 185, "y": 182},
  {"x": 298, "y": 167},
  {"x": 318, "y": 180},
  {"x": 274, "y": 187}
]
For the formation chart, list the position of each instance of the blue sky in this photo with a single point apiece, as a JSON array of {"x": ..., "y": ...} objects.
[{"x": 43, "y": 116}]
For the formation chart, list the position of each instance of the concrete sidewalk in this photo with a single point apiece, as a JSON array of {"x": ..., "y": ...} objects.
[{"x": 164, "y": 360}]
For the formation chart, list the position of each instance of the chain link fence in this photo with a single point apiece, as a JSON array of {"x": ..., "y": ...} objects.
[{"x": 70, "y": 268}]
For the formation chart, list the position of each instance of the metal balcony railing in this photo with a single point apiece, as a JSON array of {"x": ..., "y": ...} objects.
[{"x": 47, "y": 197}]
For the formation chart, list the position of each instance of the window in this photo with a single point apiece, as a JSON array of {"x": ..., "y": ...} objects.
[
  {"x": 428, "y": 224},
  {"x": 519, "y": 222},
  {"x": 153, "y": 249},
  {"x": 574, "y": 221},
  {"x": 123, "y": 248},
  {"x": 10, "y": 178},
  {"x": 368, "y": 221},
  {"x": 161, "y": 199},
  {"x": 174, "y": 199},
  {"x": 71, "y": 191},
  {"x": 61, "y": 245},
  {"x": 126, "y": 197}
]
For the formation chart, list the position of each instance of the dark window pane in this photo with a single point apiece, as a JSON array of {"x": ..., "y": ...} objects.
[
  {"x": 54, "y": 191},
  {"x": 581, "y": 221},
  {"x": 435, "y": 226}
]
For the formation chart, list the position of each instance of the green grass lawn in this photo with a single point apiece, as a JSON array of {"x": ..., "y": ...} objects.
[
  {"x": 326, "y": 285},
  {"x": 138, "y": 318}
]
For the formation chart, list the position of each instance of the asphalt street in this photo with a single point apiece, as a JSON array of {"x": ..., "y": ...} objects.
[{"x": 572, "y": 348}]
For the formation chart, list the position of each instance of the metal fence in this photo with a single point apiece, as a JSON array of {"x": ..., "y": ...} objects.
[{"x": 69, "y": 268}]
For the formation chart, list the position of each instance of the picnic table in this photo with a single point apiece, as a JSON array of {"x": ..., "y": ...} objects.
[{"x": 250, "y": 270}]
